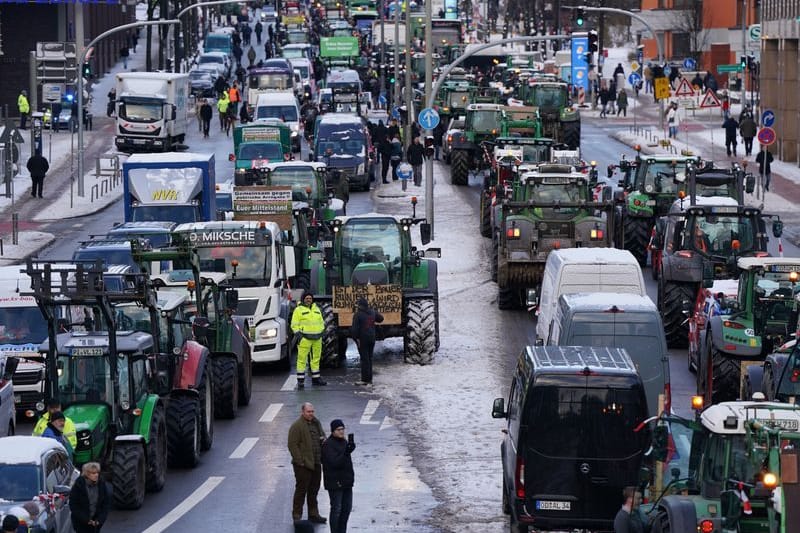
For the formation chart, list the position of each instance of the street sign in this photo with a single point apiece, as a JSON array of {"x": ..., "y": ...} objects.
[
  {"x": 51, "y": 92},
  {"x": 768, "y": 118},
  {"x": 766, "y": 136},
  {"x": 754, "y": 31},
  {"x": 634, "y": 78},
  {"x": 689, "y": 63},
  {"x": 667, "y": 70},
  {"x": 709, "y": 100},
  {"x": 11, "y": 135},
  {"x": 635, "y": 66},
  {"x": 661, "y": 88},
  {"x": 721, "y": 69},
  {"x": 428, "y": 118},
  {"x": 684, "y": 88},
  {"x": 396, "y": 112}
]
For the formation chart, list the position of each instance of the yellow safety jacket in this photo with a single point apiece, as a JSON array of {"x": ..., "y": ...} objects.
[
  {"x": 69, "y": 429},
  {"x": 308, "y": 320}
]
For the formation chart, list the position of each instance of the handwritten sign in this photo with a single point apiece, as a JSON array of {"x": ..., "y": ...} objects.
[
  {"x": 386, "y": 299},
  {"x": 259, "y": 202}
]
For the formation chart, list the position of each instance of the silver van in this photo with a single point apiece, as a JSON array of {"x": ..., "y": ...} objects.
[{"x": 619, "y": 320}]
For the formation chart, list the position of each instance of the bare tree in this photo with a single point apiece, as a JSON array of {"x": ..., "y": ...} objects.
[{"x": 691, "y": 20}]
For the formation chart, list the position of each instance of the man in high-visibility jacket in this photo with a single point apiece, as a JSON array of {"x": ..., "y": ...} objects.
[
  {"x": 24, "y": 108},
  {"x": 308, "y": 323},
  {"x": 54, "y": 406},
  {"x": 222, "y": 107}
]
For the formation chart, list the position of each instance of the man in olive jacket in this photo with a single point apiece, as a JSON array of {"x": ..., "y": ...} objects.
[{"x": 305, "y": 445}]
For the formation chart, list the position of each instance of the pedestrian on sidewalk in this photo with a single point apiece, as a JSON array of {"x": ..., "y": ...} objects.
[
  {"x": 603, "y": 96},
  {"x": 648, "y": 78},
  {"x": 251, "y": 56},
  {"x": 124, "y": 52},
  {"x": 305, "y": 446},
  {"x": 619, "y": 70},
  {"x": 244, "y": 116},
  {"x": 396, "y": 155},
  {"x": 24, "y": 108},
  {"x": 206, "y": 113},
  {"x": 726, "y": 107},
  {"x": 132, "y": 41},
  {"x": 697, "y": 82},
  {"x": 237, "y": 53},
  {"x": 622, "y": 103},
  {"x": 89, "y": 500},
  {"x": 38, "y": 167},
  {"x": 246, "y": 33},
  {"x": 363, "y": 332},
  {"x": 747, "y": 111},
  {"x": 672, "y": 120},
  {"x": 385, "y": 149},
  {"x": 438, "y": 138},
  {"x": 220, "y": 86},
  {"x": 259, "y": 30},
  {"x": 415, "y": 155},
  {"x": 222, "y": 107},
  {"x": 731, "y": 128},
  {"x": 339, "y": 476},
  {"x": 612, "y": 96},
  {"x": 235, "y": 97},
  {"x": 747, "y": 128},
  {"x": 112, "y": 102},
  {"x": 764, "y": 160}
]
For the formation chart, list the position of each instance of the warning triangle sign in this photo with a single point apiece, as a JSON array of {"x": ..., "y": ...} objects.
[
  {"x": 709, "y": 100},
  {"x": 684, "y": 88}
]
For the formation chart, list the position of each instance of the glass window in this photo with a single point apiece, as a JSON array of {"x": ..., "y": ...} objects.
[
  {"x": 19, "y": 482},
  {"x": 211, "y": 59},
  {"x": 549, "y": 96},
  {"x": 51, "y": 468},
  {"x": 371, "y": 241},
  {"x": 714, "y": 235},
  {"x": 84, "y": 379},
  {"x": 483, "y": 120},
  {"x": 22, "y": 325},
  {"x": 138, "y": 378},
  {"x": 109, "y": 256},
  {"x": 269, "y": 150},
  {"x": 180, "y": 214},
  {"x": 254, "y": 261},
  {"x": 278, "y": 81},
  {"x": 658, "y": 177},
  {"x": 136, "y": 109},
  {"x": 286, "y": 113}
]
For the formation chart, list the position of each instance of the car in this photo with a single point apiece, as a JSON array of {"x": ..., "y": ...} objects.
[
  {"x": 220, "y": 60},
  {"x": 116, "y": 251},
  {"x": 268, "y": 14},
  {"x": 156, "y": 232},
  {"x": 297, "y": 51},
  {"x": 36, "y": 474},
  {"x": 201, "y": 83},
  {"x": 454, "y": 130}
]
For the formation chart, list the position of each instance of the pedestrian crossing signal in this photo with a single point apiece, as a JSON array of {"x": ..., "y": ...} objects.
[{"x": 579, "y": 20}]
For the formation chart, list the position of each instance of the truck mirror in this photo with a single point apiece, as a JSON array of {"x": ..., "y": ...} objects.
[
  {"x": 231, "y": 299},
  {"x": 499, "y": 408},
  {"x": 607, "y": 195},
  {"x": 425, "y": 232},
  {"x": 749, "y": 183},
  {"x": 660, "y": 442},
  {"x": 777, "y": 228},
  {"x": 11, "y": 367}
]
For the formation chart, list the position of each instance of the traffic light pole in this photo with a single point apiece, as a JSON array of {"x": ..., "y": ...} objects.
[
  {"x": 179, "y": 29},
  {"x": 81, "y": 61}
]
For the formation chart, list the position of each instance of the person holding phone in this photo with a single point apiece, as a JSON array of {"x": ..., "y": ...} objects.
[{"x": 337, "y": 467}]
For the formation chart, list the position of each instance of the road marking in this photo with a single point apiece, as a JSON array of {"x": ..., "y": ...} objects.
[
  {"x": 186, "y": 505},
  {"x": 290, "y": 383},
  {"x": 244, "y": 448},
  {"x": 271, "y": 412},
  {"x": 387, "y": 423},
  {"x": 369, "y": 410}
]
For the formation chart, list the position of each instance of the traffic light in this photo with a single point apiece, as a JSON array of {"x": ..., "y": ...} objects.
[
  {"x": 87, "y": 70},
  {"x": 429, "y": 150},
  {"x": 751, "y": 63},
  {"x": 588, "y": 58},
  {"x": 593, "y": 44},
  {"x": 743, "y": 62},
  {"x": 579, "y": 17}
]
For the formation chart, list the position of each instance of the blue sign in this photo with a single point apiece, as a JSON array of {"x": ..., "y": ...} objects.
[
  {"x": 580, "y": 68},
  {"x": 767, "y": 118},
  {"x": 639, "y": 56},
  {"x": 405, "y": 171},
  {"x": 689, "y": 63},
  {"x": 396, "y": 112},
  {"x": 428, "y": 118},
  {"x": 667, "y": 70},
  {"x": 382, "y": 99},
  {"x": 634, "y": 78}
]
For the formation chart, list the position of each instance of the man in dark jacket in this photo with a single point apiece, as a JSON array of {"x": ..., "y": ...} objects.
[
  {"x": 747, "y": 127},
  {"x": 415, "y": 155},
  {"x": 38, "y": 167},
  {"x": 220, "y": 86},
  {"x": 259, "y": 29},
  {"x": 764, "y": 160},
  {"x": 339, "y": 476},
  {"x": 363, "y": 332},
  {"x": 731, "y": 128},
  {"x": 305, "y": 445},
  {"x": 438, "y": 138},
  {"x": 89, "y": 500},
  {"x": 206, "y": 114},
  {"x": 385, "y": 149}
]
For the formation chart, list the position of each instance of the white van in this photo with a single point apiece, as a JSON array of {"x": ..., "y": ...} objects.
[
  {"x": 585, "y": 270},
  {"x": 282, "y": 106}
]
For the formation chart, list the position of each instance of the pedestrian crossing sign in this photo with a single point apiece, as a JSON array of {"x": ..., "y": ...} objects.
[
  {"x": 709, "y": 100},
  {"x": 684, "y": 88}
]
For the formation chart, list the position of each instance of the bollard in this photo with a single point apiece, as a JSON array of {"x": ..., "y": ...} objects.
[
  {"x": 1, "y": 247},
  {"x": 93, "y": 194},
  {"x": 14, "y": 228}
]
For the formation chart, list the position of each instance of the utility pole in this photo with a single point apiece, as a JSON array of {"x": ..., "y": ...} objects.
[
  {"x": 409, "y": 89},
  {"x": 383, "y": 47},
  {"x": 744, "y": 51},
  {"x": 396, "y": 88},
  {"x": 428, "y": 83}
]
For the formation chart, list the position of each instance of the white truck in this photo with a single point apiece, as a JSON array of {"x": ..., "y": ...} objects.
[{"x": 151, "y": 111}]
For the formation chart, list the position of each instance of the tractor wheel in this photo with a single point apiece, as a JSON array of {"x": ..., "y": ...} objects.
[
  {"x": 205, "y": 391},
  {"x": 486, "y": 215},
  {"x": 726, "y": 372},
  {"x": 157, "y": 451},
  {"x": 459, "y": 167},
  {"x": 302, "y": 281},
  {"x": 245, "y": 372},
  {"x": 493, "y": 259},
  {"x": 572, "y": 134},
  {"x": 507, "y": 298},
  {"x": 330, "y": 341},
  {"x": 183, "y": 431},
  {"x": 637, "y": 236},
  {"x": 226, "y": 387},
  {"x": 672, "y": 296},
  {"x": 661, "y": 523},
  {"x": 128, "y": 473},
  {"x": 419, "y": 341}
]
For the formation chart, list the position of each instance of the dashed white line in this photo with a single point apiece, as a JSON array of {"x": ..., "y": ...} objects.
[
  {"x": 290, "y": 383},
  {"x": 271, "y": 412},
  {"x": 244, "y": 448},
  {"x": 186, "y": 505}
]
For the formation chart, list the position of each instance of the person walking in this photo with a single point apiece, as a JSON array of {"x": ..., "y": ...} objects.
[
  {"x": 726, "y": 108},
  {"x": 731, "y": 127},
  {"x": 55, "y": 431},
  {"x": 648, "y": 78},
  {"x": 237, "y": 53},
  {"x": 305, "y": 446},
  {"x": 206, "y": 114},
  {"x": 438, "y": 139},
  {"x": 747, "y": 129},
  {"x": 415, "y": 155},
  {"x": 622, "y": 103},
  {"x": 24, "y": 109},
  {"x": 259, "y": 30},
  {"x": 308, "y": 324},
  {"x": 246, "y": 33},
  {"x": 363, "y": 332},
  {"x": 124, "y": 53},
  {"x": 764, "y": 160},
  {"x": 69, "y": 431},
  {"x": 251, "y": 56},
  {"x": 112, "y": 102},
  {"x": 38, "y": 167},
  {"x": 396, "y": 155},
  {"x": 222, "y": 107},
  {"x": 603, "y": 96},
  {"x": 89, "y": 500},
  {"x": 337, "y": 465},
  {"x": 385, "y": 150},
  {"x": 10, "y": 523},
  {"x": 672, "y": 120},
  {"x": 235, "y": 97},
  {"x": 619, "y": 70}
]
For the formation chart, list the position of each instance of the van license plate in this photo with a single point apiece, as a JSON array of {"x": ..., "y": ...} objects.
[
  {"x": 138, "y": 141},
  {"x": 552, "y": 506}
]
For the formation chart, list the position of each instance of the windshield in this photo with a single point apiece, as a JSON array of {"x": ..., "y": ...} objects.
[
  {"x": 254, "y": 261},
  {"x": 272, "y": 151},
  {"x": 180, "y": 214},
  {"x": 217, "y": 42},
  {"x": 334, "y": 147},
  {"x": 211, "y": 59},
  {"x": 224, "y": 201},
  {"x": 107, "y": 255},
  {"x": 298, "y": 179},
  {"x": 483, "y": 121},
  {"x": 293, "y": 53},
  {"x": 280, "y": 81},
  {"x": 19, "y": 482},
  {"x": 549, "y": 96},
  {"x": 445, "y": 36},
  {"x": 22, "y": 325},
  {"x": 200, "y": 75},
  {"x": 286, "y": 113},
  {"x": 298, "y": 37},
  {"x": 657, "y": 177},
  {"x": 303, "y": 71},
  {"x": 85, "y": 379},
  {"x": 344, "y": 87},
  {"x": 556, "y": 192},
  {"x": 141, "y": 109},
  {"x": 714, "y": 235},
  {"x": 156, "y": 240},
  {"x": 373, "y": 242}
]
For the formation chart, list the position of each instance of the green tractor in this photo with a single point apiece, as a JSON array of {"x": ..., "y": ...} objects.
[
  {"x": 454, "y": 97},
  {"x": 561, "y": 120},
  {"x": 134, "y": 387},
  {"x": 468, "y": 152},
  {"x": 734, "y": 469},
  {"x": 371, "y": 256},
  {"x": 761, "y": 319},
  {"x": 546, "y": 209}
]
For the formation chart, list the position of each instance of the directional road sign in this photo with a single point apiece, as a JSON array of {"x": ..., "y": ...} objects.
[
  {"x": 689, "y": 63},
  {"x": 634, "y": 78},
  {"x": 382, "y": 99},
  {"x": 768, "y": 118},
  {"x": 429, "y": 118},
  {"x": 766, "y": 136}
]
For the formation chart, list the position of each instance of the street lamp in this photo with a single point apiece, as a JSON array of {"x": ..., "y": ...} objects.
[{"x": 181, "y": 13}]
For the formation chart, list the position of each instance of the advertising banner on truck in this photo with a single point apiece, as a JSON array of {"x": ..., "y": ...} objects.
[
  {"x": 338, "y": 46},
  {"x": 259, "y": 202}
]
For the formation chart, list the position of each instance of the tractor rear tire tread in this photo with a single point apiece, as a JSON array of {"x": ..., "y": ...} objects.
[
  {"x": 183, "y": 431},
  {"x": 419, "y": 341},
  {"x": 128, "y": 475},
  {"x": 226, "y": 387}
]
